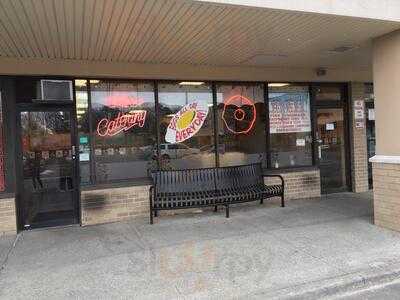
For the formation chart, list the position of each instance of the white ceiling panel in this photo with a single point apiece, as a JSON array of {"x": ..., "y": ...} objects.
[{"x": 183, "y": 32}]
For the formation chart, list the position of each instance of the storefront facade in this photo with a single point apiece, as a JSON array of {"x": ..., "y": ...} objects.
[
  {"x": 89, "y": 109},
  {"x": 84, "y": 148}
]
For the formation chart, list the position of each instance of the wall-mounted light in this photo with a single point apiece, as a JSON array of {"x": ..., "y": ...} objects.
[
  {"x": 94, "y": 81},
  {"x": 278, "y": 84},
  {"x": 191, "y": 83}
]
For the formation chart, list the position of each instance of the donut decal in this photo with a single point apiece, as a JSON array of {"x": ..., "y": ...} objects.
[
  {"x": 186, "y": 122},
  {"x": 239, "y": 114}
]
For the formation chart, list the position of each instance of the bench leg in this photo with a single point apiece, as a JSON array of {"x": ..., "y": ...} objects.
[
  {"x": 215, "y": 208},
  {"x": 282, "y": 201},
  {"x": 261, "y": 201},
  {"x": 227, "y": 211},
  {"x": 151, "y": 216},
  {"x": 156, "y": 213}
]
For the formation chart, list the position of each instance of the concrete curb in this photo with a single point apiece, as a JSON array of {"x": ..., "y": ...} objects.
[{"x": 335, "y": 287}]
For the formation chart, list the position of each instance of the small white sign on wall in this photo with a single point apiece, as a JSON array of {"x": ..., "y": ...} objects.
[
  {"x": 330, "y": 126},
  {"x": 358, "y": 104},
  {"x": 371, "y": 114},
  {"x": 300, "y": 142},
  {"x": 359, "y": 124},
  {"x": 359, "y": 114}
]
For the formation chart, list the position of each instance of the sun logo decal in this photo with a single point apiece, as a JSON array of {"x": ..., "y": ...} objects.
[
  {"x": 239, "y": 114},
  {"x": 186, "y": 122}
]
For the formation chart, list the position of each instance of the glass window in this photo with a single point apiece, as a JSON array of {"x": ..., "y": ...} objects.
[
  {"x": 124, "y": 123},
  {"x": 186, "y": 125},
  {"x": 328, "y": 93},
  {"x": 2, "y": 150},
  {"x": 82, "y": 114},
  {"x": 241, "y": 124},
  {"x": 290, "y": 126}
]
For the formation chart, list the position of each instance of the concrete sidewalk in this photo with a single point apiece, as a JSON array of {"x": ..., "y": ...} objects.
[{"x": 262, "y": 251}]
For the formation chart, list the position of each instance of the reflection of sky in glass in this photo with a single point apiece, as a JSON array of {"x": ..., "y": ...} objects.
[
  {"x": 295, "y": 96},
  {"x": 254, "y": 93},
  {"x": 100, "y": 97},
  {"x": 101, "y": 92},
  {"x": 183, "y": 98}
]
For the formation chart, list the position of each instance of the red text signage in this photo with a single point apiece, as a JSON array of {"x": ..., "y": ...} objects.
[{"x": 123, "y": 122}]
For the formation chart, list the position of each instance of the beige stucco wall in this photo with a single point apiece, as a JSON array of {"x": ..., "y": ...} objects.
[
  {"x": 386, "y": 72},
  {"x": 11, "y": 66},
  {"x": 372, "y": 9}
]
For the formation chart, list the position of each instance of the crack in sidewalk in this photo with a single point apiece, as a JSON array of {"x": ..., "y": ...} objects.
[{"x": 4, "y": 262}]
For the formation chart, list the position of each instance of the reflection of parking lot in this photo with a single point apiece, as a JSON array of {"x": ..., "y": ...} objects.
[
  {"x": 173, "y": 151},
  {"x": 207, "y": 159}
]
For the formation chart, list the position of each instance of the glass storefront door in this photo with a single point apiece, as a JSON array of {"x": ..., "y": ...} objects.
[
  {"x": 371, "y": 142},
  {"x": 331, "y": 149},
  {"x": 47, "y": 188}
]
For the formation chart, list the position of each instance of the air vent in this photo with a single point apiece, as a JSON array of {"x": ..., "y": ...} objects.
[{"x": 341, "y": 49}]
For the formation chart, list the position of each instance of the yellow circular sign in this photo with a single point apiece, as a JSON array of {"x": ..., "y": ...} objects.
[{"x": 185, "y": 119}]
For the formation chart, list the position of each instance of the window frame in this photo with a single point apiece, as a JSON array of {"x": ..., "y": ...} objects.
[
  {"x": 214, "y": 85},
  {"x": 313, "y": 165},
  {"x": 93, "y": 181},
  {"x": 264, "y": 85}
]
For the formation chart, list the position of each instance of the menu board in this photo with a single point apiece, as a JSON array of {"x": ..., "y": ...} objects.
[{"x": 289, "y": 112}]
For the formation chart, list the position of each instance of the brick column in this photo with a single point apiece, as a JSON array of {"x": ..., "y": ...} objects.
[
  {"x": 8, "y": 221},
  {"x": 359, "y": 153},
  {"x": 386, "y": 163}
]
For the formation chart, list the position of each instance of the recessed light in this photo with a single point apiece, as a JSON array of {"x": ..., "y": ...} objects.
[
  {"x": 80, "y": 82},
  {"x": 191, "y": 83},
  {"x": 278, "y": 84}
]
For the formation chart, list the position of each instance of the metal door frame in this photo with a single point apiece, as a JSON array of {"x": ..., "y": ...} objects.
[
  {"x": 343, "y": 104},
  {"x": 46, "y": 107}
]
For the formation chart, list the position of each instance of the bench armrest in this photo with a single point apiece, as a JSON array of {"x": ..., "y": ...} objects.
[{"x": 275, "y": 175}]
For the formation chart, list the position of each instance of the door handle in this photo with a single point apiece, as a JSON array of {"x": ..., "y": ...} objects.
[{"x": 73, "y": 152}]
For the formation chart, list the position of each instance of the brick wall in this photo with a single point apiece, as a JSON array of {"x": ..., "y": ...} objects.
[
  {"x": 386, "y": 195},
  {"x": 359, "y": 154},
  {"x": 120, "y": 204},
  {"x": 7, "y": 216},
  {"x": 112, "y": 205},
  {"x": 301, "y": 184}
]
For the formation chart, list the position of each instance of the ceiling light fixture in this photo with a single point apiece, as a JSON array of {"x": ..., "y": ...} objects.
[
  {"x": 278, "y": 84},
  {"x": 80, "y": 82},
  {"x": 191, "y": 83}
]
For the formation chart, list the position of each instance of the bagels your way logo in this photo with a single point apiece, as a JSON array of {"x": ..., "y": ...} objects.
[{"x": 186, "y": 122}]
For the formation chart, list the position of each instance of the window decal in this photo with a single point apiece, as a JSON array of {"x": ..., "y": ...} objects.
[
  {"x": 186, "y": 122},
  {"x": 239, "y": 114},
  {"x": 123, "y": 122}
]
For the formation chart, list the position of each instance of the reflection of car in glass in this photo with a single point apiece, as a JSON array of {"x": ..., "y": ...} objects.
[
  {"x": 168, "y": 151},
  {"x": 211, "y": 148}
]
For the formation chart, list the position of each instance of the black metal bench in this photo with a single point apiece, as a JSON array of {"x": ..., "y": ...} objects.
[{"x": 179, "y": 189}]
